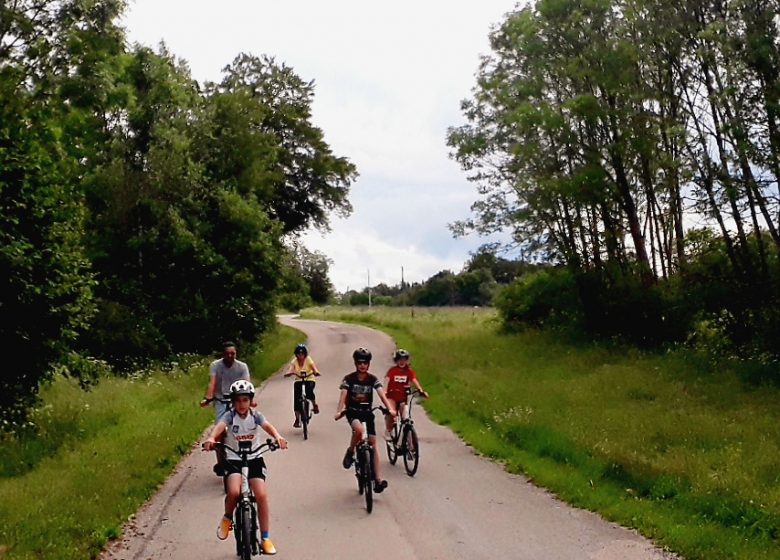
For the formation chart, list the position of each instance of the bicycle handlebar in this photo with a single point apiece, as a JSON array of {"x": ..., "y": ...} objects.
[{"x": 269, "y": 445}]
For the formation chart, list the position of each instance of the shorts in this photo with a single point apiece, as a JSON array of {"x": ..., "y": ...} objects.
[
  {"x": 256, "y": 468},
  {"x": 366, "y": 416},
  {"x": 297, "y": 388}
]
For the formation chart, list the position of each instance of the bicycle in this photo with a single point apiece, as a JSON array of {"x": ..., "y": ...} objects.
[
  {"x": 404, "y": 439},
  {"x": 245, "y": 517},
  {"x": 303, "y": 404},
  {"x": 364, "y": 465}
]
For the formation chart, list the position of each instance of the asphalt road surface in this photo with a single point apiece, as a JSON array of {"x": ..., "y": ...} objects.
[{"x": 458, "y": 506}]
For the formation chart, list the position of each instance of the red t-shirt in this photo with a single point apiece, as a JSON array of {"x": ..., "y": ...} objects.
[{"x": 398, "y": 381}]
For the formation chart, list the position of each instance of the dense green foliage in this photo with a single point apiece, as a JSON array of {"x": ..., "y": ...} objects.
[
  {"x": 86, "y": 446},
  {"x": 638, "y": 144},
  {"x": 141, "y": 213},
  {"x": 682, "y": 448}
]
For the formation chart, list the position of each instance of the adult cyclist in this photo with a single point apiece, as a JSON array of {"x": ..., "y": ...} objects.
[{"x": 222, "y": 374}]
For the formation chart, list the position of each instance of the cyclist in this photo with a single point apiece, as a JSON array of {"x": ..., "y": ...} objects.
[
  {"x": 399, "y": 379},
  {"x": 222, "y": 374},
  {"x": 303, "y": 363},
  {"x": 357, "y": 391},
  {"x": 241, "y": 423}
]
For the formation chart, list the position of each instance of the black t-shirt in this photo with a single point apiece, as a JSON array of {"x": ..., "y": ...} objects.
[{"x": 360, "y": 394}]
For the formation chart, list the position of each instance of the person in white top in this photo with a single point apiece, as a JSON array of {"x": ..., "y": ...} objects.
[{"x": 244, "y": 424}]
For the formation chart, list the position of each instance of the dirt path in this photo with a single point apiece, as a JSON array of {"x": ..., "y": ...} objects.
[{"x": 458, "y": 506}]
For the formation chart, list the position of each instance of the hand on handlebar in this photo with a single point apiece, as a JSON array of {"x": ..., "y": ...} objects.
[
  {"x": 339, "y": 414},
  {"x": 282, "y": 443},
  {"x": 205, "y": 401},
  {"x": 209, "y": 444}
]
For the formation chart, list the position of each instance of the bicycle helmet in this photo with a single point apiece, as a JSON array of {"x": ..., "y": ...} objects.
[
  {"x": 242, "y": 387},
  {"x": 401, "y": 354},
  {"x": 361, "y": 355},
  {"x": 301, "y": 348}
]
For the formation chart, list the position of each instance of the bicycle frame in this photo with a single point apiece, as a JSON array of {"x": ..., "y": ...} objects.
[
  {"x": 245, "y": 516},
  {"x": 303, "y": 401},
  {"x": 364, "y": 464}
]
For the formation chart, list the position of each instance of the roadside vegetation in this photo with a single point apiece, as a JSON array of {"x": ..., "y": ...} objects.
[
  {"x": 90, "y": 459},
  {"x": 680, "y": 447}
]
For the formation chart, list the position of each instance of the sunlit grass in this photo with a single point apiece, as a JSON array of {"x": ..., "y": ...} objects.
[
  {"x": 663, "y": 443},
  {"x": 98, "y": 455}
]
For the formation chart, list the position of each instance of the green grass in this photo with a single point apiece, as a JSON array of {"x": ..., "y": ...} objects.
[
  {"x": 686, "y": 454},
  {"x": 98, "y": 455}
]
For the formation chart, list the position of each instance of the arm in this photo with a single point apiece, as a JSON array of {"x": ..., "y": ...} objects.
[
  {"x": 271, "y": 431},
  {"x": 215, "y": 433},
  {"x": 314, "y": 369},
  {"x": 419, "y": 388},
  {"x": 290, "y": 369},
  {"x": 342, "y": 404},
  {"x": 209, "y": 396},
  {"x": 388, "y": 405}
]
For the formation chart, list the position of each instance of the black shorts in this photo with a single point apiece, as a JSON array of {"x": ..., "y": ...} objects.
[
  {"x": 256, "y": 468},
  {"x": 297, "y": 388},
  {"x": 366, "y": 416}
]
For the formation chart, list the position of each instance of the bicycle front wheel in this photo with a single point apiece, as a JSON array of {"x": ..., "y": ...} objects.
[
  {"x": 368, "y": 477},
  {"x": 411, "y": 451},
  {"x": 305, "y": 418},
  {"x": 244, "y": 533},
  {"x": 392, "y": 450}
]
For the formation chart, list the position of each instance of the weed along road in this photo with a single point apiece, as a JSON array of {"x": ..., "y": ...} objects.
[{"x": 459, "y": 505}]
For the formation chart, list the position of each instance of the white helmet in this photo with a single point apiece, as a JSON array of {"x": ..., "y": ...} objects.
[{"x": 242, "y": 387}]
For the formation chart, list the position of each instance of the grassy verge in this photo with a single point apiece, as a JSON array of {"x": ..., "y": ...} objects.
[
  {"x": 97, "y": 456},
  {"x": 662, "y": 443}
]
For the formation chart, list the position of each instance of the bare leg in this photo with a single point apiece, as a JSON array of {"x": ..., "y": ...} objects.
[
  {"x": 261, "y": 495},
  {"x": 233, "y": 491},
  {"x": 372, "y": 441}
]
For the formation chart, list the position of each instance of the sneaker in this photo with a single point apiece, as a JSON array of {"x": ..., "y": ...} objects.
[
  {"x": 379, "y": 486},
  {"x": 225, "y": 526},
  {"x": 348, "y": 459},
  {"x": 316, "y": 408},
  {"x": 268, "y": 547},
  {"x": 297, "y": 423}
]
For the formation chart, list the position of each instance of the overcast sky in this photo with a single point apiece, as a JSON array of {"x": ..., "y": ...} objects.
[{"x": 389, "y": 78}]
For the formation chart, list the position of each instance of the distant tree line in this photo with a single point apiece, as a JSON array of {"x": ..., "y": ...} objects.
[
  {"x": 478, "y": 283},
  {"x": 637, "y": 144},
  {"x": 143, "y": 213}
]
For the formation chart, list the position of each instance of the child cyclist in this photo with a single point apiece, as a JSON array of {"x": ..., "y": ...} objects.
[
  {"x": 241, "y": 423},
  {"x": 357, "y": 391},
  {"x": 303, "y": 364},
  {"x": 399, "y": 379}
]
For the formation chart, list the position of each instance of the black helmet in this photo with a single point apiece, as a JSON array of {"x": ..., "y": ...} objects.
[
  {"x": 301, "y": 348},
  {"x": 361, "y": 355},
  {"x": 401, "y": 354}
]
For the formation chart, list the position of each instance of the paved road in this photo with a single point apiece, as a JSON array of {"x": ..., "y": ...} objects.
[{"x": 459, "y": 506}]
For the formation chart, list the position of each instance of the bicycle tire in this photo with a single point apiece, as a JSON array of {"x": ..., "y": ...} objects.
[
  {"x": 305, "y": 418},
  {"x": 392, "y": 449},
  {"x": 368, "y": 476},
  {"x": 359, "y": 473},
  {"x": 411, "y": 446}
]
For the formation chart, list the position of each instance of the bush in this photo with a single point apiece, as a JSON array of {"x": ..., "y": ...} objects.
[{"x": 545, "y": 297}]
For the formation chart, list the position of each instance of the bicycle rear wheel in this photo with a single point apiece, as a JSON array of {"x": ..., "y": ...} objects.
[
  {"x": 411, "y": 447},
  {"x": 305, "y": 418}
]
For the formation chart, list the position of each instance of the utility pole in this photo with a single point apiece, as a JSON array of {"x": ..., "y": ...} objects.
[
  {"x": 368, "y": 272},
  {"x": 403, "y": 284}
]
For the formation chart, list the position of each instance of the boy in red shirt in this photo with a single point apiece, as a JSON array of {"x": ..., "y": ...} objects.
[{"x": 399, "y": 379}]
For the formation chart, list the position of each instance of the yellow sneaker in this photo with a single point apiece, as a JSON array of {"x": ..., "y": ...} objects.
[
  {"x": 268, "y": 547},
  {"x": 225, "y": 526}
]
